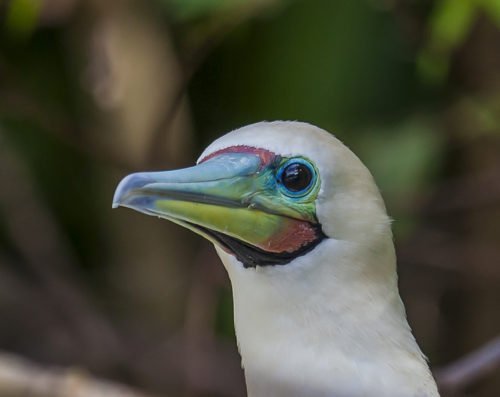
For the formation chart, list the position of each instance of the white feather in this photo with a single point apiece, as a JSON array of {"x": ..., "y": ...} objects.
[{"x": 331, "y": 322}]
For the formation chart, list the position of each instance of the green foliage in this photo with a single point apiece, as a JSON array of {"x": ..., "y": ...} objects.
[
  {"x": 192, "y": 9},
  {"x": 22, "y": 16},
  {"x": 336, "y": 64},
  {"x": 404, "y": 159},
  {"x": 448, "y": 27}
]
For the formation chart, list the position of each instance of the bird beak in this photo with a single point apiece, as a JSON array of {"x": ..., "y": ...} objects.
[{"x": 225, "y": 194}]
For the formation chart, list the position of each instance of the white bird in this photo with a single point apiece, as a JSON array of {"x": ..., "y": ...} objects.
[{"x": 303, "y": 233}]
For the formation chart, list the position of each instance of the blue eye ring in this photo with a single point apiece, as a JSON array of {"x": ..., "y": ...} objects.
[{"x": 296, "y": 177}]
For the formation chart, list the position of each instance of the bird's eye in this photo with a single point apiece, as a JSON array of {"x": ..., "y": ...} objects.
[{"x": 296, "y": 177}]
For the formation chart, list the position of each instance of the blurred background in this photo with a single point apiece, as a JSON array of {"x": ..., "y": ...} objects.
[{"x": 93, "y": 90}]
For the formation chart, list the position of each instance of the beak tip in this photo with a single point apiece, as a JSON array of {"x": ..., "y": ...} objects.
[
  {"x": 126, "y": 185},
  {"x": 119, "y": 193}
]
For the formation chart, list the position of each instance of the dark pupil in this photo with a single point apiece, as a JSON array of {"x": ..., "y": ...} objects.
[{"x": 296, "y": 177}]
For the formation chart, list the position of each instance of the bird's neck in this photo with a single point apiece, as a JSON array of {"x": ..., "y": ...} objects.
[{"x": 341, "y": 330}]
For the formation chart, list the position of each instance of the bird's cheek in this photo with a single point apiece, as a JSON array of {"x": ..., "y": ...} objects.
[{"x": 291, "y": 237}]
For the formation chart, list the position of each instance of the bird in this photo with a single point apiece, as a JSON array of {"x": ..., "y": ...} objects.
[{"x": 303, "y": 232}]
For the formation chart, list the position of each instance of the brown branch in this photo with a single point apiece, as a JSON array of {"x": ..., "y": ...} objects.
[
  {"x": 471, "y": 368},
  {"x": 20, "y": 378}
]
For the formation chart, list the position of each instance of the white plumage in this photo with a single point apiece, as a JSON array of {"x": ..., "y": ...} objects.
[
  {"x": 331, "y": 322},
  {"x": 310, "y": 257}
]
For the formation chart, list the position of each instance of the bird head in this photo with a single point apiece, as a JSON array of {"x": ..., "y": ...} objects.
[{"x": 265, "y": 194}]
